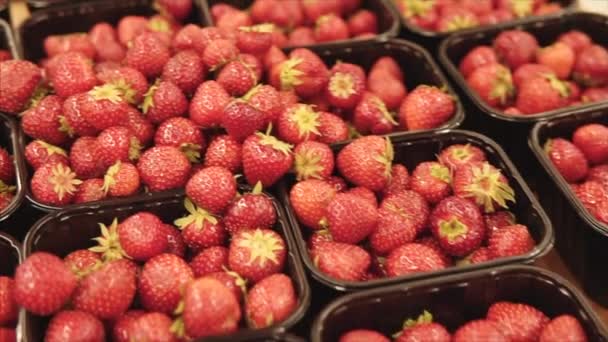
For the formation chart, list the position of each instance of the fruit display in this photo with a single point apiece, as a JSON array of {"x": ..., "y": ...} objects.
[
  {"x": 9, "y": 251},
  {"x": 7, "y": 178},
  {"x": 11, "y": 172},
  {"x": 452, "y": 15}
]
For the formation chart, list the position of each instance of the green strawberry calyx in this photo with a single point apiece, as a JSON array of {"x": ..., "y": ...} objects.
[
  {"x": 386, "y": 114},
  {"x": 290, "y": 75},
  {"x": 178, "y": 327},
  {"x": 51, "y": 149},
  {"x": 560, "y": 86},
  {"x": 424, "y": 318},
  {"x": 522, "y": 8},
  {"x": 503, "y": 88},
  {"x": 238, "y": 280},
  {"x": 64, "y": 180},
  {"x": 262, "y": 247},
  {"x": 386, "y": 158},
  {"x": 196, "y": 216},
  {"x": 306, "y": 119},
  {"x": 261, "y": 28},
  {"x": 159, "y": 24},
  {"x": 109, "y": 179},
  {"x": 126, "y": 89},
  {"x": 149, "y": 97},
  {"x": 342, "y": 85},
  {"x": 452, "y": 229},
  {"x": 109, "y": 243},
  {"x": 307, "y": 165},
  {"x": 108, "y": 92},
  {"x": 257, "y": 188},
  {"x": 64, "y": 126},
  {"x": 267, "y": 139},
  {"x": 462, "y": 153},
  {"x": 191, "y": 151},
  {"x": 134, "y": 149},
  {"x": 413, "y": 8},
  {"x": 460, "y": 22},
  {"x": 488, "y": 188},
  {"x": 441, "y": 172}
]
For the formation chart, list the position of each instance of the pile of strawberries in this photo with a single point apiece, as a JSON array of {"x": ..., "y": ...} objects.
[
  {"x": 505, "y": 321},
  {"x": 453, "y": 210},
  {"x": 301, "y": 22},
  {"x": 583, "y": 162},
  {"x": 452, "y": 15},
  {"x": 188, "y": 284},
  {"x": 518, "y": 77},
  {"x": 7, "y": 179}
]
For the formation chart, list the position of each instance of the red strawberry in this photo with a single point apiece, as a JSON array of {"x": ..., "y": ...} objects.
[
  {"x": 498, "y": 220},
  {"x": 199, "y": 228},
  {"x": 163, "y": 168},
  {"x": 242, "y": 120},
  {"x": 75, "y": 42},
  {"x": 151, "y": 326},
  {"x": 313, "y": 160},
  {"x": 484, "y": 184},
  {"x": 367, "y": 162},
  {"x": 592, "y": 140},
  {"x": 390, "y": 65},
  {"x": 568, "y": 159},
  {"x": 129, "y": 81},
  {"x": 495, "y": 17},
  {"x": 148, "y": 54},
  {"x": 529, "y": 71},
  {"x": 161, "y": 282},
  {"x": 345, "y": 85},
  {"x": 54, "y": 184},
  {"x": 252, "y": 209},
  {"x": 332, "y": 129},
  {"x": 256, "y": 253},
  {"x": 341, "y": 260},
  {"x": 400, "y": 180},
  {"x": 104, "y": 107},
  {"x": 413, "y": 258},
  {"x": 313, "y": 9},
  {"x": 360, "y": 335},
  {"x": 82, "y": 261},
  {"x": 71, "y": 73},
  {"x": 121, "y": 180},
  {"x": 73, "y": 123},
  {"x": 105, "y": 42},
  {"x": 210, "y": 308},
  {"x": 178, "y": 10},
  {"x": 563, "y": 327},
  {"x": 43, "y": 121},
  {"x": 394, "y": 229},
  {"x": 510, "y": 241},
  {"x": 456, "y": 18},
  {"x": 423, "y": 328},
  {"x": 330, "y": 27},
  {"x": 266, "y": 99},
  {"x": 16, "y": 91},
  {"x": 426, "y": 107},
  {"x": 345, "y": 227},
  {"x": 297, "y": 123},
  {"x": 255, "y": 39},
  {"x": 183, "y": 134},
  {"x": 219, "y": 52},
  {"x": 518, "y": 322},
  {"x": 212, "y": 188},
  {"x": 301, "y": 36},
  {"x": 207, "y": 105},
  {"x": 90, "y": 190},
  {"x": 480, "y": 255},
  {"x": 140, "y": 126},
  {"x": 577, "y": 40},
  {"x": 372, "y": 116},
  {"x": 130, "y": 27},
  {"x": 108, "y": 292},
  {"x": 175, "y": 242},
  {"x": 493, "y": 83},
  {"x": 116, "y": 144},
  {"x": 237, "y": 78},
  {"x": 363, "y": 21},
  {"x": 75, "y": 326},
  {"x": 210, "y": 260},
  {"x": 595, "y": 94},
  {"x": 37, "y": 153},
  {"x": 43, "y": 283},
  {"x": 270, "y": 301},
  {"x": 591, "y": 193},
  {"x": 422, "y": 14},
  {"x": 224, "y": 151},
  {"x": 459, "y": 155},
  {"x": 559, "y": 57},
  {"x": 458, "y": 226},
  {"x": 8, "y": 306},
  {"x": 309, "y": 200},
  {"x": 318, "y": 237},
  {"x": 232, "y": 281},
  {"x": 233, "y": 21},
  {"x": 515, "y": 47},
  {"x": 591, "y": 67},
  {"x": 7, "y": 166},
  {"x": 120, "y": 330},
  {"x": 5, "y": 55},
  {"x": 548, "y": 8},
  {"x": 388, "y": 88},
  {"x": 191, "y": 37},
  {"x": 431, "y": 180},
  {"x": 265, "y": 159},
  {"x": 304, "y": 72},
  {"x": 479, "y": 331},
  {"x": 599, "y": 173},
  {"x": 164, "y": 100},
  {"x": 142, "y": 236}
]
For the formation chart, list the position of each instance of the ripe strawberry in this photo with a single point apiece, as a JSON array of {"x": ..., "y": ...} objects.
[
  {"x": 318, "y": 237},
  {"x": 224, "y": 151},
  {"x": 142, "y": 236},
  {"x": 456, "y": 18},
  {"x": 43, "y": 121},
  {"x": 342, "y": 261},
  {"x": 130, "y": 27},
  {"x": 120, "y": 330},
  {"x": 423, "y": 328},
  {"x": 210, "y": 308},
  {"x": 74, "y": 326},
  {"x": 529, "y": 71},
  {"x": 73, "y": 123},
  {"x": 43, "y": 283},
  {"x": 563, "y": 327},
  {"x": 493, "y": 83},
  {"x": 237, "y": 78},
  {"x": 594, "y": 94},
  {"x": 85, "y": 157},
  {"x": 108, "y": 292},
  {"x": 359, "y": 335},
  {"x": 207, "y": 105},
  {"x": 301, "y": 36},
  {"x": 163, "y": 168},
  {"x": 361, "y": 22},
  {"x": 592, "y": 140},
  {"x": 498, "y": 220},
  {"x": 313, "y": 160},
  {"x": 76, "y": 42},
  {"x": 37, "y": 153},
  {"x": 90, "y": 190},
  {"x": 548, "y": 8},
  {"x": 459, "y": 155},
  {"x": 394, "y": 229},
  {"x": 8, "y": 306},
  {"x": 183, "y": 134},
  {"x": 309, "y": 199},
  {"x": 480, "y": 255},
  {"x": 431, "y": 180},
  {"x": 255, "y": 39},
  {"x": 510, "y": 241},
  {"x": 599, "y": 173},
  {"x": 400, "y": 180},
  {"x": 185, "y": 70},
  {"x": 233, "y": 21},
  {"x": 568, "y": 159},
  {"x": 148, "y": 54},
  {"x": 577, "y": 40},
  {"x": 5, "y": 55},
  {"x": 559, "y": 57},
  {"x": 161, "y": 282},
  {"x": 332, "y": 129},
  {"x": 232, "y": 281},
  {"x": 304, "y": 72},
  {"x": 484, "y": 184},
  {"x": 298, "y": 123},
  {"x": 210, "y": 260},
  {"x": 256, "y": 253},
  {"x": 426, "y": 107},
  {"x": 7, "y": 167},
  {"x": 191, "y": 37},
  {"x": 345, "y": 85},
  {"x": 242, "y": 120},
  {"x": 178, "y": 10},
  {"x": 54, "y": 184},
  {"x": 592, "y": 193},
  {"x": 330, "y": 27},
  {"x": 104, "y": 107},
  {"x": 345, "y": 227},
  {"x": 252, "y": 209},
  {"x": 413, "y": 258},
  {"x": 129, "y": 81},
  {"x": 164, "y": 100},
  {"x": 175, "y": 242},
  {"x": 212, "y": 188},
  {"x": 273, "y": 56},
  {"x": 140, "y": 126},
  {"x": 116, "y": 144},
  {"x": 151, "y": 326},
  {"x": 367, "y": 162},
  {"x": 265, "y": 159},
  {"x": 199, "y": 228},
  {"x": 20, "y": 79},
  {"x": 390, "y": 65},
  {"x": 82, "y": 261},
  {"x": 121, "y": 180},
  {"x": 515, "y": 47},
  {"x": 479, "y": 331},
  {"x": 265, "y": 99},
  {"x": 518, "y": 322},
  {"x": 219, "y": 52},
  {"x": 313, "y": 9},
  {"x": 270, "y": 301},
  {"x": 71, "y": 73},
  {"x": 105, "y": 43},
  {"x": 495, "y": 17},
  {"x": 365, "y": 194},
  {"x": 372, "y": 116},
  {"x": 388, "y": 88},
  {"x": 591, "y": 67},
  {"x": 458, "y": 226}
]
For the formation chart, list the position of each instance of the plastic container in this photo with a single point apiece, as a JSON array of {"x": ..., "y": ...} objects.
[
  {"x": 10, "y": 254},
  {"x": 7, "y": 41},
  {"x": 455, "y": 300},
  {"x": 10, "y": 139},
  {"x": 581, "y": 240},
  {"x": 67, "y": 230},
  {"x": 38, "y": 4},
  {"x": 509, "y": 130},
  {"x": 412, "y": 150},
  {"x": 388, "y": 21}
]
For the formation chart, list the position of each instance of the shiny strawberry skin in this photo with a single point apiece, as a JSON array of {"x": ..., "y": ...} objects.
[
  {"x": 577, "y": 40},
  {"x": 538, "y": 95},
  {"x": 479, "y": 331},
  {"x": 425, "y": 108},
  {"x": 71, "y": 73},
  {"x": 236, "y": 78},
  {"x": 266, "y": 99},
  {"x": 82, "y": 260},
  {"x": 432, "y": 180},
  {"x": 141, "y": 236},
  {"x": 515, "y": 47},
  {"x": 219, "y": 52},
  {"x": 358, "y": 162},
  {"x": 476, "y": 58},
  {"x": 161, "y": 282},
  {"x": 74, "y": 326},
  {"x": 263, "y": 162},
  {"x": 345, "y": 85},
  {"x": 163, "y": 168},
  {"x": 224, "y": 151},
  {"x": 458, "y": 155},
  {"x": 163, "y": 101},
  {"x": 312, "y": 73},
  {"x": 151, "y": 326},
  {"x": 115, "y": 144},
  {"x": 47, "y": 178},
  {"x": 103, "y": 113},
  {"x": 8, "y": 306},
  {"x": 186, "y": 70},
  {"x": 205, "y": 236},
  {"x": 16, "y": 91},
  {"x": 37, "y": 153},
  {"x": 130, "y": 80},
  {"x": 181, "y": 133},
  {"x": 74, "y": 121},
  {"x": 43, "y": 121},
  {"x": 591, "y": 67},
  {"x": 207, "y": 105},
  {"x": 242, "y": 120},
  {"x": 210, "y": 260},
  {"x": 372, "y": 116},
  {"x": 332, "y": 128},
  {"x": 309, "y": 199},
  {"x": 420, "y": 332},
  {"x": 393, "y": 231},
  {"x": 498, "y": 220},
  {"x": 568, "y": 159},
  {"x": 212, "y": 188},
  {"x": 510, "y": 241},
  {"x": 120, "y": 330},
  {"x": 390, "y": 89},
  {"x": 400, "y": 180},
  {"x": 341, "y": 260},
  {"x": 250, "y": 210},
  {"x": 348, "y": 228},
  {"x": 592, "y": 140},
  {"x": 90, "y": 190},
  {"x": 413, "y": 258},
  {"x": 363, "y": 335},
  {"x": 519, "y": 322},
  {"x": 565, "y": 327},
  {"x": 493, "y": 83},
  {"x": 458, "y": 226},
  {"x": 7, "y": 167},
  {"x": 270, "y": 301},
  {"x": 148, "y": 55}
]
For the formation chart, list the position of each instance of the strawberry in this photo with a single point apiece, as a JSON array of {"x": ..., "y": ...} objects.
[
  {"x": 309, "y": 199},
  {"x": 304, "y": 72},
  {"x": 484, "y": 184},
  {"x": 576, "y": 40},
  {"x": 510, "y": 241},
  {"x": 74, "y": 326},
  {"x": 5, "y": 55},
  {"x": 120, "y": 330},
  {"x": 559, "y": 57},
  {"x": 394, "y": 230},
  {"x": 594, "y": 94},
  {"x": 252, "y": 209},
  {"x": 178, "y": 10},
  {"x": 116, "y": 144},
  {"x": 8, "y": 306},
  {"x": 456, "y": 18},
  {"x": 431, "y": 180},
  {"x": 54, "y": 184},
  {"x": 161, "y": 282},
  {"x": 459, "y": 155},
  {"x": 426, "y": 107},
  {"x": 219, "y": 52},
  {"x": 130, "y": 27},
  {"x": 82, "y": 261},
  {"x": 164, "y": 100},
  {"x": 233, "y": 21},
  {"x": 140, "y": 126},
  {"x": 563, "y": 327},
  {"x": 529, "y": 71},
  {"x": 591, "y": 193},
  {"x": 210, "y": 260},
  {"x": 313, "y": 160},
  {"x": 362, "y": 21},
  {"x": 313, "y": 9},
  {"x": 183, "y": 134},
  {"x": 148, "y": 54},
  {"x": 43, "y": 121},
  {"x": 493, "y": 83},
  {"x": 105, "y": 42},
  {"x": 90, "y": 190},
  {"x": 199, "y": 228},
  {"x": 330, "y": 27},
  {"x": 142, "y": 236},
  {"x": 342, "y": 261},
  {"x": 372, "y": 116},
  {"x": 71, "y": 73},
  {"x": 365, "y": 194},
  {"x": 423, "y": 14},
  {"x": 568, "y": 159},
  {"x": 317, "y": 237},
  {"x": 592, "y": 140},
  {"x": 360, "y": 335},
  {"x": 265, "y": 159},
  {"x": 332, "y": 129},
  {"x": 479, "y": 7},
  {"x": 210, "y": 308},
  {"x": 242, "y": 120},
  {"x": 345, "y": 227},
  {"x": 390, "y": 65},
  {"x": 256, "y": 253},
  {"x": 237, "y": 78},
  {"x": 591, "y": 67},
  {"x": 480, "y": 255},
  {"x": 73, "y": 123},
  {"x": 104, "y": 107},
  {"x": 367, "y": 162},
  {"x": 186, "y": 70},
  {"x": 518, "y": 322},
  {"x": 43, "y": 283},
  {"x": 7, "y": 166},
  {"x": 413, "y": 258},
  {"x": 498, "y": 220},
  {"x": 265, "y": 99},
  {"x": 212, "y": 188},
  {"x": 515, "y": 47},
  {"x": 207, "y": 105},
  {"x": 121, "y": 180},
  {"x": 273, "y": 56},
  {"x": 129, "y": 81},
  {"x": 232, "y": 281},
  {"x": 224, "y": 151},
  {"x": 298, "y": 123},
  {"x": 345, "y": 85},
  {"x": 191, "y": 37},
  {"x": 175, "y": 242},
  {"x": 270, "y": 301},
  {"x": 301, "y": 36},
  {"x": 37, "y": 153},
  {"x": 255, "y": 39},
  {"x": 423, "y": 328},
  {"x": 163, "y": 168},
  {"x": 388, "y": 88},
  {"x": 458, "y": 226},
  {"x": 17, "y": 91},
  {"x": 479, "y": 331},
  {"x": 85, "y": 158},
  {"x": 108, "y": 292},
  {"x": 76, "y": 42},
  {"x": 400, "y": 180},
  {"x": 151, "y": 326},
  {"x": 599, "y": 173},
  {"x": 495, "y": 17}
]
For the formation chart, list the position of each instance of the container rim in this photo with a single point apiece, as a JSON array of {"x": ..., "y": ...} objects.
[
  {"x": 14, "y": 244},
  {"x": 538, "y": 150},
  {"x": 19, "y": 163},
  {"x": 541, "y": 248},
  {"x": 524, "y": 24},
  {"x": 10, "y": 39}
]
